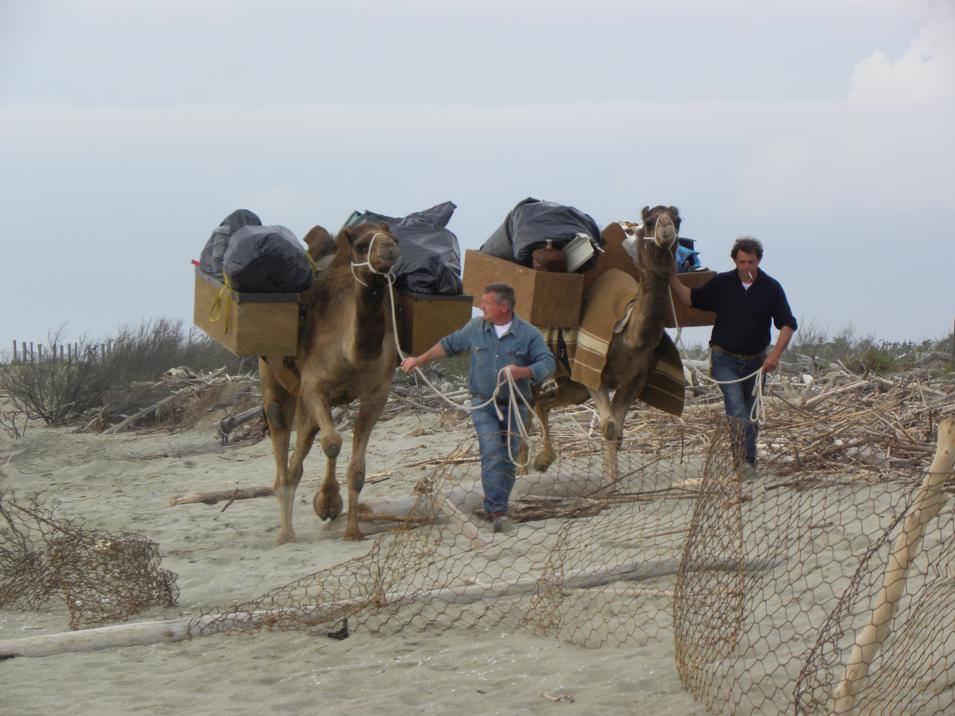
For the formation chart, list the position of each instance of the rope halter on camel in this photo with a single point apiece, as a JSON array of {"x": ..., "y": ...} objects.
[{"x": 367, "y": 262}]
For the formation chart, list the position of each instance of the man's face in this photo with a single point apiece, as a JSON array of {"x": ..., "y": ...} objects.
[
  {"x": 494, "y": 311},
  {"x": 746, "y": 264}
]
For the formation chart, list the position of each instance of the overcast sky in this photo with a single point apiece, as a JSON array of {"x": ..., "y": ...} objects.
[{"x": 130, "y": 129}]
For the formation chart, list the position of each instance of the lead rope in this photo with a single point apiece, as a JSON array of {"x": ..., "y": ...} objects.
[
  {"x": 758, "y": 413},
  {"x": 503, "y": 376}
]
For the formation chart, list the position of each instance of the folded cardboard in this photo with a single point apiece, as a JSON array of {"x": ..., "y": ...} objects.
[{"x": 544, "y": 298}]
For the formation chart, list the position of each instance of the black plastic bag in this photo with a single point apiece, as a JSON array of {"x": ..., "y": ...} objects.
[
  {"x": 210, "y": 261},
  {"x": 430, "y": 256},
  {"x": 266, "y": 259},
  {"x": 532, "y": 223}
]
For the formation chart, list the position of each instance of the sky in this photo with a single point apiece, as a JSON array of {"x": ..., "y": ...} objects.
[{"x": 822, "y": 127}]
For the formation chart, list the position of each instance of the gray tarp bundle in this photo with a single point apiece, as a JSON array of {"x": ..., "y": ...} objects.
[
  {"x": 533, "y": 222},
  {"x": 430, "y": 256},
  {"x": 266, "y": 259},
  {"x": 210, "y": 261}
]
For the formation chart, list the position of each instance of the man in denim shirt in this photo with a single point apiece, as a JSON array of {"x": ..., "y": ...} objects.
[
  {"x": 745, "y": 301},
  {"x": 499, "y": 340}
]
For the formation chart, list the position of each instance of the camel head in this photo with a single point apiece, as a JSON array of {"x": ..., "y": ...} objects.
[
  {"x": 374, "y": 249},
  {"x": 660, "y": 234}
]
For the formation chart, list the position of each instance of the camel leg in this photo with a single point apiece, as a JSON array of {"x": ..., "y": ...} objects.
[
  {"x": 279, "y": 406},
  {"x": 601, "y": 398},
  {"x": 622, "y": 400},
  {"x": 327, "y": 502},
  {"x": 545, "y": 452},
  {"x": 369, "y": 410},
  {"x": 305, "y": 431}
]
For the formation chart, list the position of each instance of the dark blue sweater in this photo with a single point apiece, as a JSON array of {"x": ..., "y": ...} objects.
[{"x": 743, "y": 315}]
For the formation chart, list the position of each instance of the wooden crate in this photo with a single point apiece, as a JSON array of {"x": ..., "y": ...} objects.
[
  {"x": 424, "y": 318},
  {"x": 615, "y": 256},
  {"x": 548, "y": 300},
  {"x": 249, "y": 324}
]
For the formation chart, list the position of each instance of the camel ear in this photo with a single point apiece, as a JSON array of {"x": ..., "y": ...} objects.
[
  {"x": 645, "y": 214},
  {"x": 349, "y": 234}
]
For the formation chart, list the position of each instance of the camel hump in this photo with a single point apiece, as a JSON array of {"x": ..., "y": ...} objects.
[{"x": 320, "y": 243}]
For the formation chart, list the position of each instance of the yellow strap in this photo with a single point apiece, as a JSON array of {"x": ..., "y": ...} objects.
[
  {"x": 312, "y": 263},
  {"x": 222, "y": 303}
]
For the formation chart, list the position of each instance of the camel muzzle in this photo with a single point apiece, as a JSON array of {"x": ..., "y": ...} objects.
[{"x": 664, "y": 232}]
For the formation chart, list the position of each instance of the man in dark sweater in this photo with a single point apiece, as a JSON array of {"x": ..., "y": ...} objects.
[{"x": 745, "y": 301}]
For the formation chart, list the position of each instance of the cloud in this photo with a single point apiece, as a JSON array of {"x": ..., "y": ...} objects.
[{"x": 925, "y": 72}]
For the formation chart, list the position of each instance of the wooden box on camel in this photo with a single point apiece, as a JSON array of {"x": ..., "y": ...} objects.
[
  {"x": 423, "y": 318},
  {"x": 248, "y": 324},
  {"x": 544, "y": 298},
  {"x": 615, "y": 256}
]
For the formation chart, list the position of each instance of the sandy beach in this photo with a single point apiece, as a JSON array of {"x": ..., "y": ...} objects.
[{"x": 574, "y": 610}]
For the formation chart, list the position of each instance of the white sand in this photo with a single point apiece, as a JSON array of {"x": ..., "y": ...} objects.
[{"x": 124, "y": 483}]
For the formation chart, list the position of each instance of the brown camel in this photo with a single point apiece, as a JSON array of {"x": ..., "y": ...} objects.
[
  {"x": 346, "y": 351},
  {"x": 631, "y": 355}
]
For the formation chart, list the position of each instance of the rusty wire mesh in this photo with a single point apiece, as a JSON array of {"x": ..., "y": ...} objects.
[
  {"x": 102, "y": 577},
  {"x": 761, "y": 584}
]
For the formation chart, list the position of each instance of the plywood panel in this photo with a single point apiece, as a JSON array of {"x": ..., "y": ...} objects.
[
  {"x": 423, "y": 319},
  {"x": 248, "y": 324}
]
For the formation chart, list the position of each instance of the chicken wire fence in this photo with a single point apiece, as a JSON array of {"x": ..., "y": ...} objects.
[
  {"x": 762, "y": 584},
  {"x": 765, "y": 586}
]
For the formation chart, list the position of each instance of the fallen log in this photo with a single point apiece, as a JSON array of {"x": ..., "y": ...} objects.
[
  {"x": 173, "y": 630},
  {"x": 231, "y": 422},
  {"x": 136, "y": 417},
  {"x": 211, "y": 498}
]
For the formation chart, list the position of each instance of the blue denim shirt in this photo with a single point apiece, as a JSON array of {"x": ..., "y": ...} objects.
[{"x": 522, "y": 345}]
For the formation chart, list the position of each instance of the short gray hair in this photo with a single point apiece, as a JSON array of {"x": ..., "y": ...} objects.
[{"x": 504, "y": 293}]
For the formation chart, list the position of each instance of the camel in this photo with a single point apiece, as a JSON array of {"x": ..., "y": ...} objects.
[
  {"x": 631, "y": 355},
  {"x": 346, "y": 351}
]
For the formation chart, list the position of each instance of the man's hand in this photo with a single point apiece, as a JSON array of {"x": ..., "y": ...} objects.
[
  {"x": 519, "y": 371},
  {"x": 409, "y": 364},
  {"x": 771, "y": 362}
]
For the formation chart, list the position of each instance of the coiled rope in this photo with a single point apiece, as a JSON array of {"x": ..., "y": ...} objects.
[{"x": 504, "y": 376}]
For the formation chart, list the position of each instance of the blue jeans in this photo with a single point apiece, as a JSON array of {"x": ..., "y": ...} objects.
[
  {"x": 738, "y": 399},
  {"x": 497, "y": 470}
]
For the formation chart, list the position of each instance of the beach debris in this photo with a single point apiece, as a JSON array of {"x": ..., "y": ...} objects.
[
  {"x": 341, "y": 633},
  {"x": 559, "y": 698},
  {"x": 103, "y": 577}
]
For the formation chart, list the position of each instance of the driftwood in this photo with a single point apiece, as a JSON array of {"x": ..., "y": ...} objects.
[
  {"x": 928, "y": 502},
  {"x": 173, "y": 630},
  {"x": 139, "y": 415},
  {"x": 231, "y": 422},
  {"x": 211, "y": 498}
]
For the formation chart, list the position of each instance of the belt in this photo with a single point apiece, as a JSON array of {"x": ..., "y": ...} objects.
[{"x": 741, "y": 356}]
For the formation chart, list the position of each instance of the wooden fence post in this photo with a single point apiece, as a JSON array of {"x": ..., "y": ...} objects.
[{"x": 14, "y": 351}]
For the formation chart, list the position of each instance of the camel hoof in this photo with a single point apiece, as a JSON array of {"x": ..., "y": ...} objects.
[
  {"x": 285, "y": 538},
  {"x": 353, "y": 535},
  {"x": 328, "y": 506},
  {"x": 543, "y": 460}
]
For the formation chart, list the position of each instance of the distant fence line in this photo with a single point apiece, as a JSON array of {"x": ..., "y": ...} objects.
[{"x": 30, "y": 352}]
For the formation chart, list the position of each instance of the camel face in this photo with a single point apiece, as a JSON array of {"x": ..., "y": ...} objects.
[
  {"x": 661, "y": 226},
  {"x": 373, "y": 245}
]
